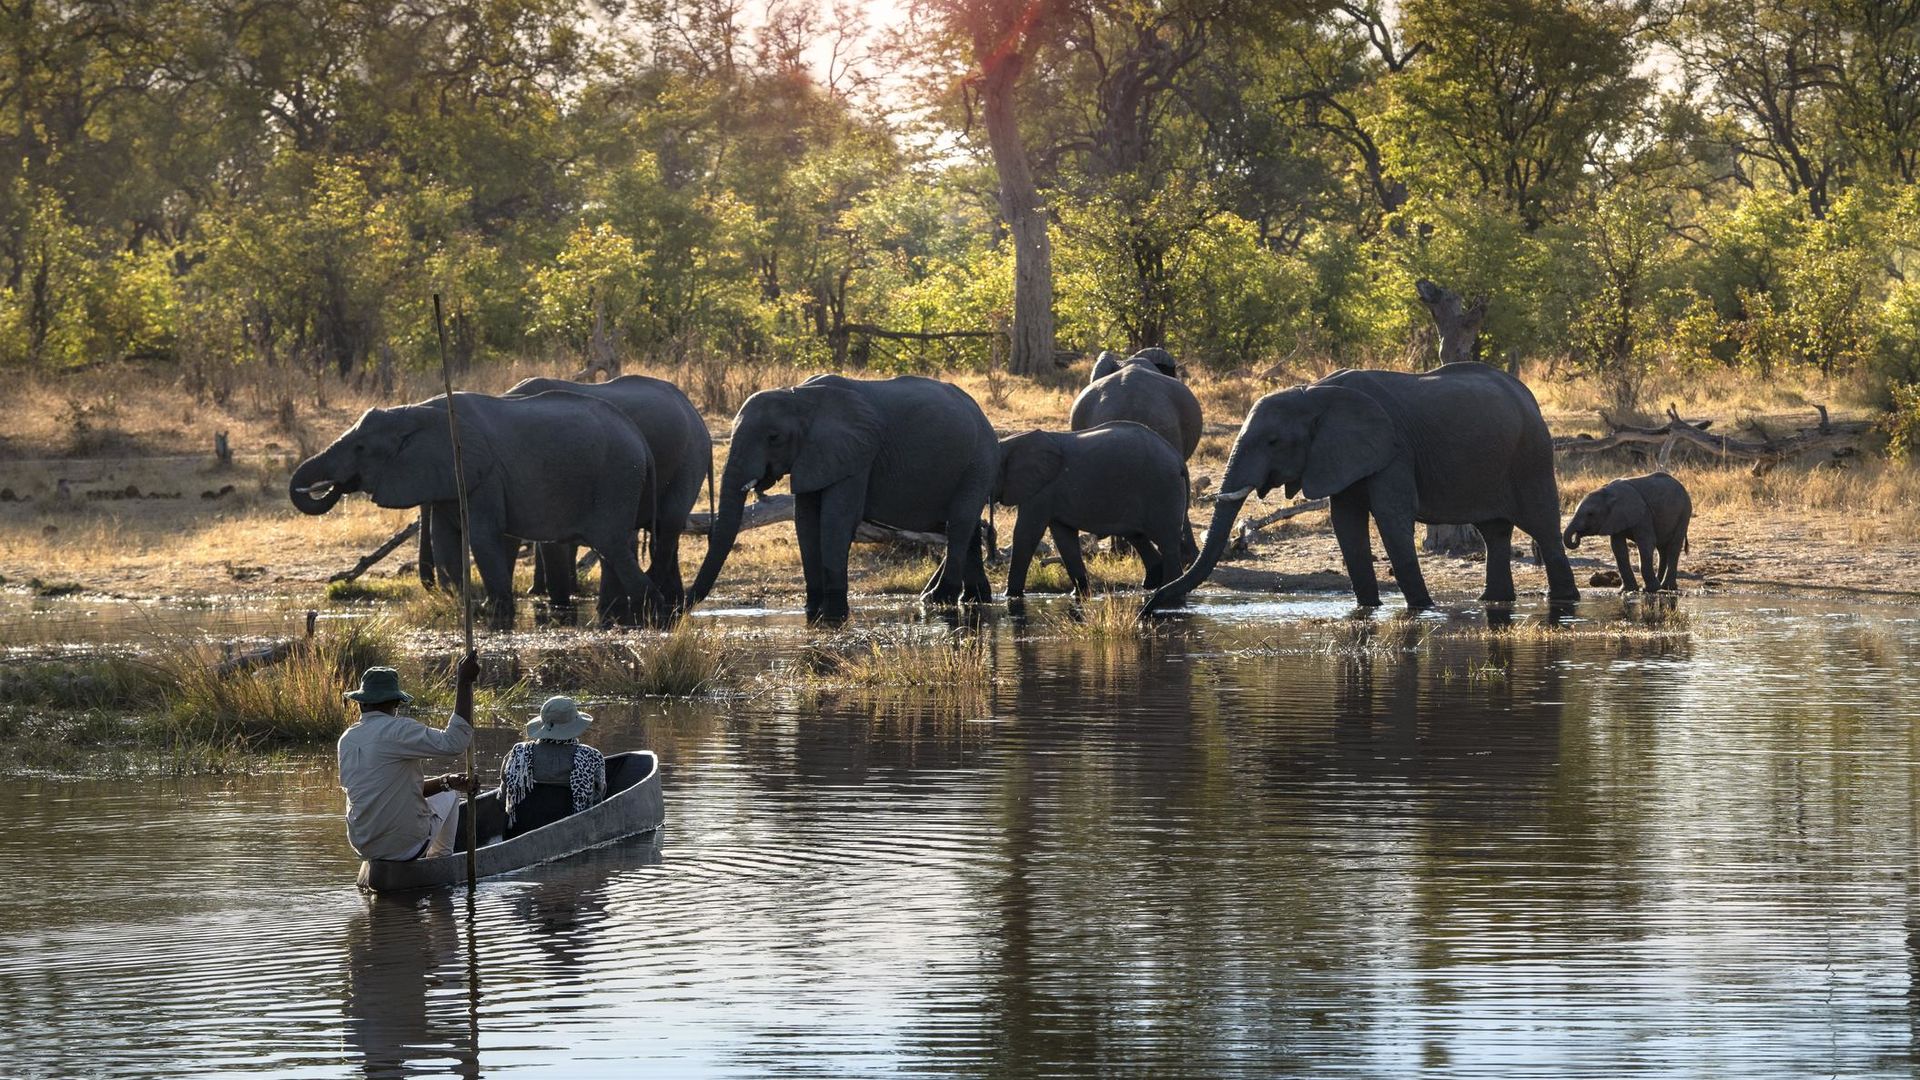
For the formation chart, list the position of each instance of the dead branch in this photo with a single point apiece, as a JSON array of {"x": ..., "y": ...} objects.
[
  {"x": 1249, "y": 528},
  {"x": 1765, "y": 450},
  {"x": 378, "y": 553},
  {"x": 775, "y": 509}
]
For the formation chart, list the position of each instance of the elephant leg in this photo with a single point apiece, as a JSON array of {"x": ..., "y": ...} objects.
[
  {"x": 1153, "y": 563},
  {"x": 1552, "y": 554},
  {"x": 616, "y": 604},
  {"x": 1349, "y": 514},
  {"x": 1643, "y": 539},
  {"x": 806, "y": 529},
  {"x": 1167, "y": 543},
  {"x": 424, "y": 565},
  {"x": 840, "y": 509},
  {"x": 620, "y": 577},
  {"x": 1620, "y": 558},
  {"x": 1189, "y": 551},
  {"x": 493, "y": 556},
  {"x": 446, "y": 545},
  {"x": 558, "y": 563},
  {"x": 1027, "y": 529},
  {"x": 1670, "y": 561},
  {"x": 1498, "y": 536},
  {"x": 963, "y": 523},
  {"x": 1067, "y": 540},
  {"x": 1396, "y": 535},
  {"x": 976, "y": 587}
]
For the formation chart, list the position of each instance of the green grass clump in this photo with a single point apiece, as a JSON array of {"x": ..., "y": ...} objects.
[
  {"x": 905, "y": 578},
  {"x": 297, "y": 700},
  {"x": 101, "y": 682},
  {"x": 686, "y": 661},
  {"x": 378, "y": 590}
]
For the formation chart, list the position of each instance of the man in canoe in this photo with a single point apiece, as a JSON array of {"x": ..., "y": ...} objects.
[
  {"x": 552, "y": 774},
  {"x": 393, "y": 811}
]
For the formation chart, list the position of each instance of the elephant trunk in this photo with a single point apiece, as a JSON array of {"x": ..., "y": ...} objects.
[
  {"x": 1571, "y": 537},
  {"x": 720, "y": 538},
  {"x": 313, "y": 489},
  {"x": 1226, "y": 508}
]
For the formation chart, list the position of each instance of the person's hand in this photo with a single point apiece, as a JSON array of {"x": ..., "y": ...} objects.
[
  {"x": 460, "y": 782},
  {"x": 469, "y": 670}
]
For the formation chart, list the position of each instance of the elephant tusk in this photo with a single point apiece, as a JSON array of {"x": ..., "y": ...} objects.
[
  {"x": 318, "y": 489},
  {"x": 1234, "y": 496},
  {"x": 748, "y": 486}
]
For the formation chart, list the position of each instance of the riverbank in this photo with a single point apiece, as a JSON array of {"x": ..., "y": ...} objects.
[{"x": 108, "y": 485}]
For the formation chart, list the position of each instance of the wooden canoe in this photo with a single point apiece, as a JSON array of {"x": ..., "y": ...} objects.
[{"x": 633, "y": 805}]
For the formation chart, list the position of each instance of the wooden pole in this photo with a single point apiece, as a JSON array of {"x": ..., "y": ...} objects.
[{"x": 466, "y": 558}]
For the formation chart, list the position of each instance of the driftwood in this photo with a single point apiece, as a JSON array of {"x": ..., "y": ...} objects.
[
  {"x": 1765, "y": 450},
  {"x": 774, "y": 509},
  {"x": 266, "y": 655},
  {"x": 1250, "y": 527},
  {"x": 378, "y": 553},
  {"x": 1457, "y": 320}
]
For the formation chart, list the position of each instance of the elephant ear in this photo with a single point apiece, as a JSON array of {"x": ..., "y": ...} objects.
[
  {"x": 1626, "y": 507},
  {"x": 842, "y": 435},
  {"x": 420, "y": 468},
  {"x": 1028, "y": 462},
  {"x": 1352, "y": 439},
  {"x": 1108, "y": 363}
]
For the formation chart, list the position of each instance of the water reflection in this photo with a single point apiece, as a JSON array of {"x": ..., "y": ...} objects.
[
  {"x": 412, "y": 994},
  {"x": 1655, "y": 837}
]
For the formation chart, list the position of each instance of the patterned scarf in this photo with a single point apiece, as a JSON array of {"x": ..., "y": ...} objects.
[{"x": 587, "y": 779}]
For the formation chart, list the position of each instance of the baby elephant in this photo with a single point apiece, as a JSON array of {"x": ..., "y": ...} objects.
[
  {"x": 1652, "y": 511},
  {"x": 1118, "y": 479}
]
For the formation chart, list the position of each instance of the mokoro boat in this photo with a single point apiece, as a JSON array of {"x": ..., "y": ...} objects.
[{"x": 633, "y": 805}]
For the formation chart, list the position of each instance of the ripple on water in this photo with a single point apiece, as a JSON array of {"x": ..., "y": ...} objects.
[{"x": 1590, "y": 853}]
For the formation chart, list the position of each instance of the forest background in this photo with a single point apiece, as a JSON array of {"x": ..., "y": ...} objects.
[{"x": 1637, "y": 187}]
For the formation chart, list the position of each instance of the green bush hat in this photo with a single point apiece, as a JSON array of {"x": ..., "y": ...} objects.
[
  {"x": 559, "y": 719},
  {"x": 378, "y": 685}
]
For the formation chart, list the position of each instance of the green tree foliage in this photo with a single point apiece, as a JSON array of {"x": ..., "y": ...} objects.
[{"x": 1631, "y": 186}]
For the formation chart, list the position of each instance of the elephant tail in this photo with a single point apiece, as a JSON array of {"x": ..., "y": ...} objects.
[{"x": 713, "y": 505}]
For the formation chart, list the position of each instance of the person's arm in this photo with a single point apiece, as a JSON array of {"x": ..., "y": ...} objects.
[{"x": 419, "y": 740}]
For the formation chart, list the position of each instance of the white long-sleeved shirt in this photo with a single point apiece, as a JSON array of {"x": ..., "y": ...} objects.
[{"x": 380, "y": 757}]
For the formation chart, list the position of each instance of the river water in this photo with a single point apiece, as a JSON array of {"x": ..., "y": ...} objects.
[{"x": 1268, "y": 840}]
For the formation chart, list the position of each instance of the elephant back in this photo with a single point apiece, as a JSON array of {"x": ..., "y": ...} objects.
[{"x": 1139, "y": 393}]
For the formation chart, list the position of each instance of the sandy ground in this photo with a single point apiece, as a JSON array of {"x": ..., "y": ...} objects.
[{"x": 230, "y": 531}]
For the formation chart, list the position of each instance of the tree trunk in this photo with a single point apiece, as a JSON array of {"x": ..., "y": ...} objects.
[
  {"x": 1458, "y": 321},
  {"x": 1453, "y": 540},
  {"x": 1026, "y": 218}
]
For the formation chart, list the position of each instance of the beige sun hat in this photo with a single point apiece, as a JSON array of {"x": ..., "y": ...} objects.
[{"x": 559, "y": 718}]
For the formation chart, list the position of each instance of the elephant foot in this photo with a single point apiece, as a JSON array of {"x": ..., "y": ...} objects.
[
  {"x": 1367, "y": 601},
  {"x": 941, "y": 597},
  {"x": 1492, "y": 596}
]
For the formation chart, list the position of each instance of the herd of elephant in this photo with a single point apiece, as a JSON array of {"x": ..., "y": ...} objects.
[{"x": 564, "y": 464}]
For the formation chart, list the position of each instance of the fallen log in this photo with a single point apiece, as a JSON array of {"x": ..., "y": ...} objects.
[
  {"x": 1250, "y": 527},
  {"x": 378, "y": 553},
  {"x": 774, "y": 509},
  {"x": 266, "y": 655},
  {"x": 1765, "y": 451}
]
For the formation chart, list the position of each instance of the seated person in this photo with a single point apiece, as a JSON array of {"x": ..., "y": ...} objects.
[
  {"x": 393, "y": 812},
  {"x": 552, "y": 774}
]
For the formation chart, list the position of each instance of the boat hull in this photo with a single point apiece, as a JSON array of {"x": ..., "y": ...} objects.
[{"x": 633, "y": 805}]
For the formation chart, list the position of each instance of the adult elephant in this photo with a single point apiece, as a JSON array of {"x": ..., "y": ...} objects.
[
  {"x": 552, "y": 467},
  {"x": 908, "y": 452},
  {"x": 1137, "y": 390},
  {"x": 1463, "y": 444},
  {"x": 682, "y": 460}
]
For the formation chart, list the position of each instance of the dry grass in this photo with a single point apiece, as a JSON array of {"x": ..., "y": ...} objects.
[
  {"x": 686, "y": 661},
  {"x": 902, "y": 658},
  {"x": 1107, "y": 616},
  {"x": 252, "y": 541}
]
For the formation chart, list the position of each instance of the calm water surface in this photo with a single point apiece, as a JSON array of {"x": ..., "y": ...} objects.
[{"x": 1267, "y": 842}]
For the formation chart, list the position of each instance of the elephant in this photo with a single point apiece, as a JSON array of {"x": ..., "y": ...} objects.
[
  {"x": 682, "y": 456},
  {"x": 908, "y": 452},
  {"x": 1138, "y": 391},
  {"x": 682, "y": 459},
  {"x": 1118, "y": 479},
  {"x": 1159, "y": 359},
  {"x": 1461, "y": 444},
  {"x": 552, "y": 467},
  {"x": 1653, "y": 511}
]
